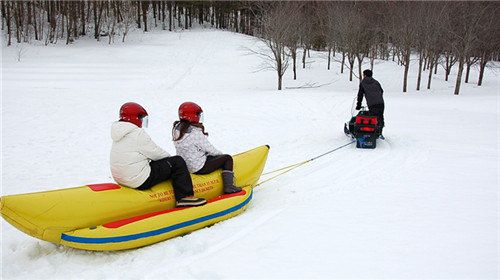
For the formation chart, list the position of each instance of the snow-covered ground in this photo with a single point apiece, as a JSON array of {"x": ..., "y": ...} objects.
[{"x": 424, "y": 204}]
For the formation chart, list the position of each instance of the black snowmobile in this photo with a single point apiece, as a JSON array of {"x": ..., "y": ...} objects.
[{"x": 364, "y": 128}]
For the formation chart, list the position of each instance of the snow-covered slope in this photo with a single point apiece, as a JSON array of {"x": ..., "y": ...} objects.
[{"x": 424, "y": 204}]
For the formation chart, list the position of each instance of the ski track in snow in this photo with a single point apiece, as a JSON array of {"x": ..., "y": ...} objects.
[{"x": 351, "y": 214}]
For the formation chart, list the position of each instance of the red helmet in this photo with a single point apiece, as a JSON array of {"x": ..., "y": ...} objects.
[
  {"x": 190, "y": 111},
  {"x": 133, "y": 113}
]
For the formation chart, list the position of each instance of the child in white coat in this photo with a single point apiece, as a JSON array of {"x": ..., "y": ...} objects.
[{"x": 191, "y": 143}]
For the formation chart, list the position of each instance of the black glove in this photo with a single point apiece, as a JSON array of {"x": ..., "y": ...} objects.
[{"x": 358, "y": 107}]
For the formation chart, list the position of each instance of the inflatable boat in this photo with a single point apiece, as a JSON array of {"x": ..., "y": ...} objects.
[{"x": 112, "y": 217}]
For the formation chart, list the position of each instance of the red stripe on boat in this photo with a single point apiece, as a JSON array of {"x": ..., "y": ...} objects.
[
  {"x": 120, "y": 223},
  {"x": 104, "y": 187}
]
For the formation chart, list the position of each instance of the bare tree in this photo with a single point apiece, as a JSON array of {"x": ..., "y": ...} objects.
[
  {"x": 434, "y": 39},
  {"x": 488, "y": 39},
  {"x": 401, "y": 23},
  {"x": 307, "y": 27},
  {"x": 129, "y": 10},
  {"x": 292, "y": 38},
  {"x": 8, "y": 18},
  {"x": 424, "y": 29},
  {"x": 464, "y": 25},
  {"x": 111, "y": 18},
  {"x": 346, "y": 31},
  {"x": 276, "y": 25}
]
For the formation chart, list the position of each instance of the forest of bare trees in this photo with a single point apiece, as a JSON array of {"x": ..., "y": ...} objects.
[{"x": 437, "y": 34}]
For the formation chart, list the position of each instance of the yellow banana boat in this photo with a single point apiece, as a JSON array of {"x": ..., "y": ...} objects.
[{"x": 112, "y": 217}]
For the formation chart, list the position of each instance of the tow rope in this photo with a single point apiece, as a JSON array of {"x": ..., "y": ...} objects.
[{"x": 296, "y": 165}]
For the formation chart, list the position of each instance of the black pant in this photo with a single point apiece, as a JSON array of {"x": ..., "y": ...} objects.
[
  {"x": 170, "y": 167},
  {"x": 378, "y": 110},
  {"x": 215, "y": 162}
]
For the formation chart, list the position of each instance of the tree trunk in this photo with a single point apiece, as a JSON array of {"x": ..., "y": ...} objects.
[
  {"x": 112, "y": 32},
  {"x": 351, "y": 66},
  {"x": 448, "y": 66},
  {"x": 9, "y": 22},
  {"x": 178, "y": 15},
  {"x": 47, "y": 7},
  {"x": 329, "y": 57},
  {"x": 459, "y": 75},
  {"x": 467, "y": 69},
  {"x": 4, "y": 16},
  {"x": 407, "y": 67},
  {"x": 53, "y": 23},
  {"x": 420, "y": 65},
  {"x": 294, "y": 58},
  {"x": 200, "y": 14},
  {"x": 154, "y": 13},
  {"x": 482, "y": 66},
  {"x": 343, "y": 63},
  {"x": 17, "y": 20},
  {"x": 360, "y": 64},
  {"x": 62, "y": 18},
  {"x": 96, "y": 27},
  {"x": 163, "y": 26},
  {"x": 74, "y": 23},
  {"x": 243, "y": 21},
  {"x": 145, "y": 6},
  {"x": 236, "y": 22},
  {"x": 35, "y": 24},
  {"x": 82, "y": 19},
  {"x": 186, "y": 24},
  {"x": 280, "y": 75},
  {"x": 68, "y": 24},
  {"x": 304, "y": 59},
  {"x": 170, "y": 11},
  {"x": 139, "y": 14},
  {"x": 28, "y": 10},
  {"x": 431, "y": 62},
  {"x": 212, "y": 17}
]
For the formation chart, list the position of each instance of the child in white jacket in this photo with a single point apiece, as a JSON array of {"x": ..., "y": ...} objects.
[
  {"x": 137, "y": 162},
  {"x": 191, "y": 143}
]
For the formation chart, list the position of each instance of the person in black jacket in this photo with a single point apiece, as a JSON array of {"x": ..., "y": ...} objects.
[{"x": 372, "y": 91}]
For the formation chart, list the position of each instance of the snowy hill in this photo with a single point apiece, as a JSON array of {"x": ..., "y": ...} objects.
[{"x": 424, "y": 204}]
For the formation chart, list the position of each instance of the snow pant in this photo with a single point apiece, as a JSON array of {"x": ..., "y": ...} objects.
[
  {"x": 378, "y": 110},
  {"x": 215, "y": 162},
  {"x": 170, "y": 167}
]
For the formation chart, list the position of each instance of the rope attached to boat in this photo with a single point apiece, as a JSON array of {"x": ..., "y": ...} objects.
[{"x": 296, "y": 165}]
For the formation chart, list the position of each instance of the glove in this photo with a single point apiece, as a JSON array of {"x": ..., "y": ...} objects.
[{"x": 358, "y": 107}]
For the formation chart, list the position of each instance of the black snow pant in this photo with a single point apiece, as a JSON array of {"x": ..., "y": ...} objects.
[
  {"x": 378, "y": 110},
  {"x": 215, "y": 162},
  {"x": 170, "y": 167}
]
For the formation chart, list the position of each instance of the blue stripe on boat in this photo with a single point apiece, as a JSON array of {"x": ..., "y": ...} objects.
[{"x": 126, "y": 238}]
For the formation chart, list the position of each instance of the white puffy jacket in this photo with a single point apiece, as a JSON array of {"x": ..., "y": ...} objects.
[
  {"x": 131, "y": 152},
  {"x": 194, "y": 148}
]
